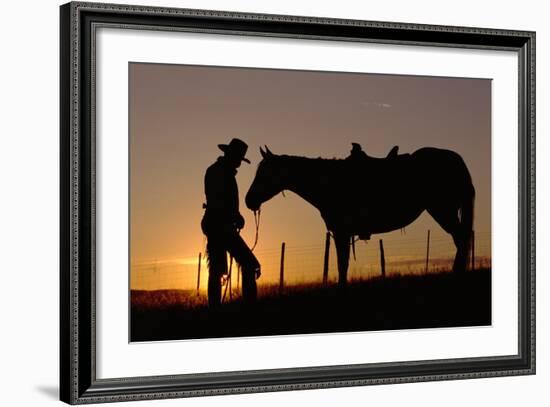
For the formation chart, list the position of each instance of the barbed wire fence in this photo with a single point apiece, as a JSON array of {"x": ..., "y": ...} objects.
[{"x": 288, "y": 264}]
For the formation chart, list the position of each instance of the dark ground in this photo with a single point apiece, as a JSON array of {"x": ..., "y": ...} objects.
[{"x": 397, "y": 302}]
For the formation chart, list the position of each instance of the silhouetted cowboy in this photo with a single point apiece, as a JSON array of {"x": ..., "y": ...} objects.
[{"x": 222, "y": 222}]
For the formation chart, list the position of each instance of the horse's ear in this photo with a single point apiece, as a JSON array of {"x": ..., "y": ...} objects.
[
  {"x": 268, "y": 151},
  {"x": 263, "y": 153}
]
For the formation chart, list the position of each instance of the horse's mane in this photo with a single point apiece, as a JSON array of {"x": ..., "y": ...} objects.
[
  {"x": 299, "y": 157},
  {"x": 321, "y": 161},
  {"x": 320, "y": 164}
]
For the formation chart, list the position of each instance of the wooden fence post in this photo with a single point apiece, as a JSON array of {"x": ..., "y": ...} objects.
[
  {"x": 282, "y": 273},
  {"x": 325, "y": 262},
  {"x": 199, "y": 273},
  {"x": 473, "y": 250},
  {"x": 428, "y": 251},
  {"x": 382, "y": 259}
]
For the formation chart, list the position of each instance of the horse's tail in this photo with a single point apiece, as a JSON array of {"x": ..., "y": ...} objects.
[{"x": 467, "y": 216}]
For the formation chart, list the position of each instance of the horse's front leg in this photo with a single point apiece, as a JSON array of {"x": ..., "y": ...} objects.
[{"x": 342, "y": 242}]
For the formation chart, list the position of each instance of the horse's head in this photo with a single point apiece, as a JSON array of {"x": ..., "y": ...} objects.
[{"x": 268, "y": 181}]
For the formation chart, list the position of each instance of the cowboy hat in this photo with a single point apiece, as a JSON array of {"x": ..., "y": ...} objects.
[{"x": 237, "y": 148}]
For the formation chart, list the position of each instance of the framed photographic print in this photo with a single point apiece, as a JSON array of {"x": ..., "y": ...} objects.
[{"x": 257, "y": 203}]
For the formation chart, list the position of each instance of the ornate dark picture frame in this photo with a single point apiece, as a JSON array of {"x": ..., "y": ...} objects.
[{"x": 78, "y": 381}]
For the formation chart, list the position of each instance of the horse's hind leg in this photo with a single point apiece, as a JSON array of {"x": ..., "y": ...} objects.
[
  {"x": 448, "y": 219},
  {"x": 342, "y": 242}
]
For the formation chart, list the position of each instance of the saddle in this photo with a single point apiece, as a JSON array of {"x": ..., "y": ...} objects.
[
  {"x": 357, "y": 154},
  {"x": 383, "y": 175}
]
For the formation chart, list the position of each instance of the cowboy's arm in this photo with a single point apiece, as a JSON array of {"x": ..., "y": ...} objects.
[
  {"x": 216, "y": 192},
  {"x": 238, "y": 218},
  {"x": 222, "y": 196},
  {"x": 212, "y": 192}
]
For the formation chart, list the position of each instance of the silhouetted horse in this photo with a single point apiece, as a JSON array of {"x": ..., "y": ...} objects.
[{"x": 364, "y": 195}]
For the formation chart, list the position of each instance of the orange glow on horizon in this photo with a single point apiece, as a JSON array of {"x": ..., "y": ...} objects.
[{"x": 179, "y": 114}]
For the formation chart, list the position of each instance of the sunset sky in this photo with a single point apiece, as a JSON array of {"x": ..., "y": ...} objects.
[{"x": 179, "y": 114}]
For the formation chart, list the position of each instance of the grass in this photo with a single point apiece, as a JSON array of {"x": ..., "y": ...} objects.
[{"x": 432, "y": 300}]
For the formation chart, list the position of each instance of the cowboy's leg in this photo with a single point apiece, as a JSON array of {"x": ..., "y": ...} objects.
[
  {"x": 217, "y": 266},
  {"x": 250, "y": 266}
]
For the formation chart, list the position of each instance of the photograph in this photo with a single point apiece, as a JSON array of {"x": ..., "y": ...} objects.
[
  {"x": 255, "y": 202},
  {"x": 289, "y": 202}
]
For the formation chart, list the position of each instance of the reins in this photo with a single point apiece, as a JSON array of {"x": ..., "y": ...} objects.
[
  {"x": 257, "y": 226},
  {"x": 228, "y": 281}
]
